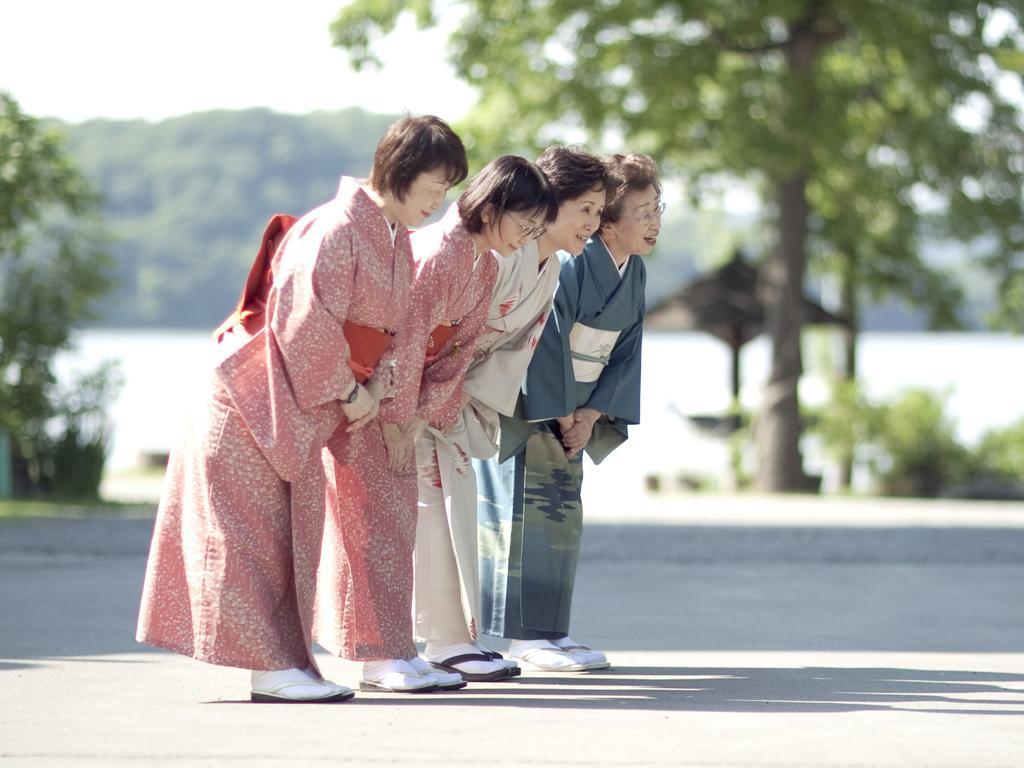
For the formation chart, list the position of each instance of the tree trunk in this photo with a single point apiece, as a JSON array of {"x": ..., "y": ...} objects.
[
  {"x": 736, "y": 381},
  {"x": 848, "y": 308},
  {"x": 779, "y": 428}
]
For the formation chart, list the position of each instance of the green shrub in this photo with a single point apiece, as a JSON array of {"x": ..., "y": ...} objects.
[
  {"x": 919, "y": 446},
  {"x": 75, "y": 459},
  {"x": 846, "y": 423},
  {"x": 78, "y": 465},
  {"x": 1000, "y": 453}
]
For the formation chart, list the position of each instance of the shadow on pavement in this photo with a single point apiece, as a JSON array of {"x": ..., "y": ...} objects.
[{"x": 731, "y": 689}]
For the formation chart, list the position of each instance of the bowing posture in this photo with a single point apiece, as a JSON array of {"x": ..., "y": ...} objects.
[
  {"x": 232, "y": 567},
  {"x": 582, "y": 389},
  {"x": 457, "y": 262},
  {"x": 447, "y": 576}
]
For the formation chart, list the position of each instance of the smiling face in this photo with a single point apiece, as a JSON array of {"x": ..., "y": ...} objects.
[
  {"x": 577, "y": 220},
  {"x": 424, "y": 196},
  {"x": 512, "y": 230},
  {"x": 637, "y": 229}
]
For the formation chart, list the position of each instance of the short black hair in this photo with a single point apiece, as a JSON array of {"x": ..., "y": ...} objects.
[
  {"x": 629, "y": 173},
  {"x": 507, "y": 183},
  {"x": 415, "y": 145},
  {"x": 572, "y": 171}
]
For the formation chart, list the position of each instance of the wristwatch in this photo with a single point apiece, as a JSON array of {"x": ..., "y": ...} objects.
[{"x": 352, "y": 397}]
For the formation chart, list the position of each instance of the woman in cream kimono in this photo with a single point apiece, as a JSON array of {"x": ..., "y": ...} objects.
[
  {"x": 582, "y": 390},
  {"x": 232, "y": 568},
  {"x": 447, "y": 580},
  {"x": 367, "y": 572}
]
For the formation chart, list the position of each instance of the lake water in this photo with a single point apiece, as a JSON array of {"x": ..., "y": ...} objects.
[{"x": 683, "y": 373}]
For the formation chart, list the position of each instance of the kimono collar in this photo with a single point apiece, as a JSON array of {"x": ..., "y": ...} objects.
[
  {"x": 518, "y": 277},
  {"x": 620, "y": 269},
  {"x": 605, "y": 284},
  {"x": 365, "y": 215}
]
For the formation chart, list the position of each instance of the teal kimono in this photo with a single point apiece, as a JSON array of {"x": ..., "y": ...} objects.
[{"x": 529, "y": 510}]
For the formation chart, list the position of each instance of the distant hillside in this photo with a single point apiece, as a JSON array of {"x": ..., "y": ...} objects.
[{"x": 186, "y": 199}]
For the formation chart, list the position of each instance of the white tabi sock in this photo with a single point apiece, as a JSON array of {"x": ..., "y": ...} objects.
[{"x": 580, "y": 652}]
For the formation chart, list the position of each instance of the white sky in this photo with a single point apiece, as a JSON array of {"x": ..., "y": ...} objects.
[
  {"x": 80, "y": 59},
  {"x": 122, "y": 59}
]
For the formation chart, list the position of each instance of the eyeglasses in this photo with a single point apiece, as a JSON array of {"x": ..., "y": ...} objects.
[
  {"x": 527, "y": 229},
  {"x": 650, "y": 216}
]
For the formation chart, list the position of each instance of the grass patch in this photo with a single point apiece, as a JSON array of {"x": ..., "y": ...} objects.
[{"x": 22, "y": 508}]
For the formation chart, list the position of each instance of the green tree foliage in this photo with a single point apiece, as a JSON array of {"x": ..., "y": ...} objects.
[
  {"x": 848, "y": 114},
  {"x": 186, "y": 199},
  {"x": 53, "y": 267}
]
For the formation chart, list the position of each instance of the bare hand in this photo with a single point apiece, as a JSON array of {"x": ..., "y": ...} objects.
[
  {"x": 377, "y": 388},
  {"x": 578, "y": 435},
  {"x": 398, "y": 447},
  {"x": 362, "y": 410}
]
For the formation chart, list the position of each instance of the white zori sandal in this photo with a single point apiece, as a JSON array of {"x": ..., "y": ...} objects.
[
  {"x": 588, "y": 657},
  {"x": 395, "y": 676},
  {"x": 509, "y": 664},
  {"x": 295, "y": 686},
  {"x": 445, "y": 681},
  {"x": 545, "y": 655}
]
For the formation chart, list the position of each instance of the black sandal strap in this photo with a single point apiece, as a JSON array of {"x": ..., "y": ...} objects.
[{"x": 464, "y": 657}]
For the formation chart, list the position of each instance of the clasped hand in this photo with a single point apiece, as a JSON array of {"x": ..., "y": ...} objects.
[
  {"x": 365, "y": 407},
  {"x": 576, "y": 429},
  {"x": 400, "y": 441}
]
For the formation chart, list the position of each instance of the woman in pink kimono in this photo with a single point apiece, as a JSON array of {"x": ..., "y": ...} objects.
[
  {"x": 501, "y": 208},
  {"x": 447, "y": 570},
  {"x": 232, "y": 567}
]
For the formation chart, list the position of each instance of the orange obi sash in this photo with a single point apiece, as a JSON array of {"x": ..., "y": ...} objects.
[
  {"x": 365, "y": 347},
  {"x": 438, "y": 338}
]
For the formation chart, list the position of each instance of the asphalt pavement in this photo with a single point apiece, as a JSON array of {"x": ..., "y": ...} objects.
[{"x": 743, "y": 631}]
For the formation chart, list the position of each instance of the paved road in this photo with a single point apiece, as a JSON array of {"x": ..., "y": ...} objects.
[{"x": 879, "y": 635}]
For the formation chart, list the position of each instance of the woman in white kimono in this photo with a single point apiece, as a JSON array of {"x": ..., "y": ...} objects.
[
  {"x": 582, "y": 389},
  {"x": 447, "y": 575}
]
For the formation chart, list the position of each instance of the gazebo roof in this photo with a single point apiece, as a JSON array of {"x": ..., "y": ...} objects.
[{"x": 724, "y": 303}]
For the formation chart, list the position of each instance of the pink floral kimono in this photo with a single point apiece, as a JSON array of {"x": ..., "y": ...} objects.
[
  {"x": 232, "y": 569},
  {"x": 366, "y": 575}
]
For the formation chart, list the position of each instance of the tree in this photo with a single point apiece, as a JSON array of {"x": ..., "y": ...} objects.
[
  {"x": 848, "y": 114},
  {"x": 52, "y": 266}
]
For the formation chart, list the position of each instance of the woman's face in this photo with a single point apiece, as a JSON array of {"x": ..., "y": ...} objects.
[
  {"x": 512, "y": 230},
  {"x": 577, "y": 220},
  {"x": 638, "y": 227},
  {"x": 424, "y": 196}
]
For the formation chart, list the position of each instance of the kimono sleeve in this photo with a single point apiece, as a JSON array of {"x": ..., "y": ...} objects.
[
  {"x": 441, "y": 389},
  {"x": 306, "y": 315},
  {"x": 549, "y": 390},
  {"x": 618, "y": 389},
  {"x": 496, "y": 380}
]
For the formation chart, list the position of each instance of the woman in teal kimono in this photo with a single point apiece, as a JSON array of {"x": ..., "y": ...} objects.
[{"x": 582, "y": 390}]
